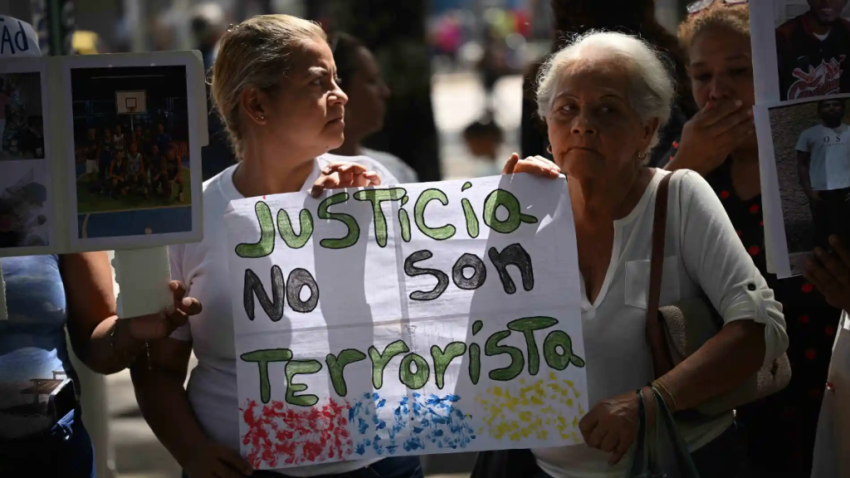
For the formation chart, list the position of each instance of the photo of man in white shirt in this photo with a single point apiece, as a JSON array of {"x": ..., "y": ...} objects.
[{"x": 823, "y": 158}]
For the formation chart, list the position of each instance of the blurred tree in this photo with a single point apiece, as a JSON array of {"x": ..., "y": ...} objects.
[{"x": 396, "y": 32}]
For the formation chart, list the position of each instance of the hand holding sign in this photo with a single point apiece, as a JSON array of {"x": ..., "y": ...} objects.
[
  {"x": 161, "y": 325},
  {"x": 345, "y": 175},
  {"x": 535, "y": 165}
]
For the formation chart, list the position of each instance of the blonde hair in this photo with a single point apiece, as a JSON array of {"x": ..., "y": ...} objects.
[
  {"x": 734, "y": 18},
  {"x": 255, "y": 54}
]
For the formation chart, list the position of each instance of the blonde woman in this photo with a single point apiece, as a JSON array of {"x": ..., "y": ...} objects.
[{"x": 275, "y": 87}]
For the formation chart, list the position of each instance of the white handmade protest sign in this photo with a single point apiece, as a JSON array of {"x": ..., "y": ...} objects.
[{"x": 416, "y": 319}]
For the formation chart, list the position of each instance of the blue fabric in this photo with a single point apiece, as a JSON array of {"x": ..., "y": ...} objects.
[
  {"x": 32, "y": 340},
  {"x": 66, "y": 451},
  {"x": 33, "y": 346}
]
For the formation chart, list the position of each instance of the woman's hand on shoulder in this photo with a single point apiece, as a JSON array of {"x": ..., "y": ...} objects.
[
  {"x": 161, "y": 325},
  {"x": 830, "y": 273},
  {"x": 344, "y": 175},
  {"x": 535, "y": 165}
]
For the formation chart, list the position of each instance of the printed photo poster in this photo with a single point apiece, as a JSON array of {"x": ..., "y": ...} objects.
[
  {"x": 810, "y": 141},
  {"x": 800, "y": 50},
  {"x": 27, "y": 224},
  {"x": 416, "y": 319},
  {"x": 134, "y": 152}
]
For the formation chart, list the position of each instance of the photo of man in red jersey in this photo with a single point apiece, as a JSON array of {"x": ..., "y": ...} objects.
[{"x": 812, "y": 51}]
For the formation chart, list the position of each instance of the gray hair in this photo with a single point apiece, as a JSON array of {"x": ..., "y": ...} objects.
[{"x": 652, "y": 88}]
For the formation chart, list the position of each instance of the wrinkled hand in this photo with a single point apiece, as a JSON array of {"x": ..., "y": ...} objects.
[
  {"x": 612, "y": 425},
  {"x": 216, "y": 461},
  {"x": 535, "y": 165},
  {"x": 161, "y": 325},
  {"x": 713, "y": 133},
  {"x": 344, "y": 175},
  {"x": 830, "y": 273}
]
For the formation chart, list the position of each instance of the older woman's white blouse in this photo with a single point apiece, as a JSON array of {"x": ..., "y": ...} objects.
[{"x": 703, "y": 253}]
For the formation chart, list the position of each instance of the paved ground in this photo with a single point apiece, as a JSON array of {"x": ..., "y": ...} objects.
[{"x": 458, "y": 100}]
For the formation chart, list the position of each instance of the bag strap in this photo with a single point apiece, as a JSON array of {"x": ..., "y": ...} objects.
[
  {"x": 661, "y": 360},
  {"x": 684, "y": 463},
  {"x": 640, "y": 458}
]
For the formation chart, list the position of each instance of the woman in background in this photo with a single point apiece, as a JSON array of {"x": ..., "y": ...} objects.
[
  {"x": 719, "y": 142},
  {"x": 360, "y": 78}
]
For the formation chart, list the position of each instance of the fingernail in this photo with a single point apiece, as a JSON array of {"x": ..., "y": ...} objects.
[
  {"x": 187, "y": 302},
  {"x": 738, "y": 103},
  {"x": 833, "y": 240},
  {"x": 819, "y": 252}
]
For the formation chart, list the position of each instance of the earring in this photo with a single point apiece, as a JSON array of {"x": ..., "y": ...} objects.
[
  {"x": 642, "y": 156},
  {"x": 261, "y": 118},
  {"x": 549, "y": 149}
]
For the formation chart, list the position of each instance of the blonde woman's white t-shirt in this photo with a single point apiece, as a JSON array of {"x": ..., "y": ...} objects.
[
  {"x": 203, "y": 268},
  {"x": 398, "y": 168},
  {"x": 703, "y": 253}
]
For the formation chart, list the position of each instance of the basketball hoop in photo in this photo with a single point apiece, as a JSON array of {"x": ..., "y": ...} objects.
[{"x": 130, "y": 102}]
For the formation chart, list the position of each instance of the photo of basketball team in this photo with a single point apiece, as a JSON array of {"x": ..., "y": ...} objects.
[
  {"x": 144, "y": 163},
  {"x": 131, "y": 151}
]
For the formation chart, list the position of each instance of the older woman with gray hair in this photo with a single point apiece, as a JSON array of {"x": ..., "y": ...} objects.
[{"x": 603, "y": 98}]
